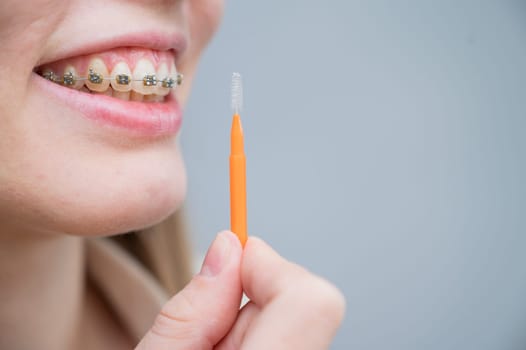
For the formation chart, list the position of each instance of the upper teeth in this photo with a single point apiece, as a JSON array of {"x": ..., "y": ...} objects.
[
  {"x": 144, "y": 79},
  {"x": 94, "y": 77},
  {"x": 122, "y": 79}
]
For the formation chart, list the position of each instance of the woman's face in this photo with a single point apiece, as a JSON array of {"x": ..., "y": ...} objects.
[{"x": 74, "y": 160}]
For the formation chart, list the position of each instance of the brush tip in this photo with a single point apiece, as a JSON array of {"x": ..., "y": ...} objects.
[{"x": 237, "y": 93}]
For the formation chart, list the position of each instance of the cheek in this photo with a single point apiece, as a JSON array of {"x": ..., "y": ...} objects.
[
  {"x": 25, "y": 27},
  {"x": 204, "y": 19},
  {"x": 17, "y": 17}
]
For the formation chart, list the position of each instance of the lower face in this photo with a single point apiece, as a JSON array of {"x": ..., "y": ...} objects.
[{"x": 90, "y": 111}]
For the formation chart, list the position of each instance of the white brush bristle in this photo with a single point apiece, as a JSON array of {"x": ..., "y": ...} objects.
[{"x": 237, "y": 93}]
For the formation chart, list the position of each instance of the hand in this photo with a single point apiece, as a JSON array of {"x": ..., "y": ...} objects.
[{"x": 290, "y": 308}]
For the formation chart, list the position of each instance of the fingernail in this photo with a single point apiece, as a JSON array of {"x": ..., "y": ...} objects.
[{"x": 217, "y": 256}]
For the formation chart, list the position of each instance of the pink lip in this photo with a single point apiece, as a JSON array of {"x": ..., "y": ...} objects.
[{"x": 139, "y": 119}]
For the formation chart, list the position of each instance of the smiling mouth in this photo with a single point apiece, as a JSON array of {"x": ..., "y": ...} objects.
[
  {"x": 135, "y": 74},
  {"x": 127, "y": 88}
]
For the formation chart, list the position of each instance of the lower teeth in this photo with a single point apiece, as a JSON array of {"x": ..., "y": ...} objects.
[{"x": 126, "y": 96}]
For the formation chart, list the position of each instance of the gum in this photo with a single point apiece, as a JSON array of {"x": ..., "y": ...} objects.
[{"x": 129, "y": 55}]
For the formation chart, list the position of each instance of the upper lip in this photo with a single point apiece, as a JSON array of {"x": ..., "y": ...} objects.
[{"x": 154, "y": 40}]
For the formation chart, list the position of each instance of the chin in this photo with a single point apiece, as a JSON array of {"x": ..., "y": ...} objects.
[
  {"x": 138, "y": 190},
  {"x": 140, "y": 200}
]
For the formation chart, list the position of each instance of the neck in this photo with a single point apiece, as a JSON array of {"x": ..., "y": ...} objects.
[{"x": 41, "y": 294}]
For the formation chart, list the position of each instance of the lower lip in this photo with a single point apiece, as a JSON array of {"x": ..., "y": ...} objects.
[{"x": 142, "y": 119}]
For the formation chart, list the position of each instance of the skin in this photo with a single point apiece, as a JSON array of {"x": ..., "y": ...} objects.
[{"x": 61, "y": 180}]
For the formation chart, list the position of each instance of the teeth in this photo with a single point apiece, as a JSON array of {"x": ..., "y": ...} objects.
[
  {"x": 96, "y": 72},
  {"x": 144, "y": 84},
  {"x": 177, "y": 77},
  {"x": 144, "y": 77},
  {"x": 173, "y": 70},
  {"x": 153, "y": 98},
  {"x": 121, "y": 74},
  {"x": 50, "y": 75},
  {"x": 69, "y": 78},
  {"x": 122, "y": 95},
  {"x": 136, "y": 96},
  {"x": 162, "y": 73}
]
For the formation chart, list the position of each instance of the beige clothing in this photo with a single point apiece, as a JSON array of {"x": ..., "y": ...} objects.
[{"x": 132, "y": 292}]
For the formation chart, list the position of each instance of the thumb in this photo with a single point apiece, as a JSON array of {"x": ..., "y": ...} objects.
[{"x": 204, "y": 311}]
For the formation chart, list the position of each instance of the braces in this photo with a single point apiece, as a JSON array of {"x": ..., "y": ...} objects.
[{"x": 122, "y": 79}]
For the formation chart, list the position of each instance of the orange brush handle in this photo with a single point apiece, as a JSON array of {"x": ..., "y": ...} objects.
[{"x": 238, "y": 194}]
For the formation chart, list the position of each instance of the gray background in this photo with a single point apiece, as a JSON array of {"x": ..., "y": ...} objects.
[{"x": 386, "y": 144}]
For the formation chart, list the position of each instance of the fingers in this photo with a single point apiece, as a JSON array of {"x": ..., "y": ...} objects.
[
  {"x": 234, "y": 338},
  {"x": 201, "y": 314},
  {"x": 298, "y": 309}
]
